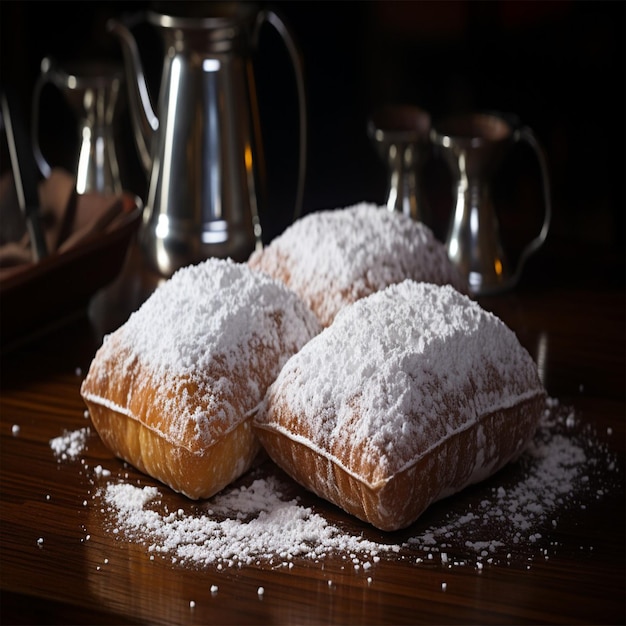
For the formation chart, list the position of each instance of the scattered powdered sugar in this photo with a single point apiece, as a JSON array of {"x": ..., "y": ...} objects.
[
  {"x": 70, "y": 444},
  {"x": 128, "y": 499},
  {"x": 334, "y": 257},
  {"x": 245, "y": 525},
  {"x": 508, "y": 519},
  {"x": 521, "y": 509}
]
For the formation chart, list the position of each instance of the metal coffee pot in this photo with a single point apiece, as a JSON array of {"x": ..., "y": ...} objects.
[
  {"x": 401, "y": 134},
  {"x": 91, "y": 89},
  {"x": 475, "y": 146},
  {"x": 201, "y": 147}
]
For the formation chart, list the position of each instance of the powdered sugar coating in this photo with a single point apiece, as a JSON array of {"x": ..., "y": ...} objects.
[
  {"x": 200, "y": 342},
  {"x": 395, "y": 375},
  {"x": 333, "y": 258}
]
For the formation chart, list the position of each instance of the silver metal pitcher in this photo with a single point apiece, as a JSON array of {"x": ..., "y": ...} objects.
[
  {"x": 201, "y": 148},
  {"x": 91, "y": 89},
  {"x": 401, "y": 134},
  {"x": 475, "y": 145}
]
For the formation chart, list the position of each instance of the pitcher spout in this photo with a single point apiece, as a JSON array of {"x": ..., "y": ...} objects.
[{"x": 144, "y": 120}]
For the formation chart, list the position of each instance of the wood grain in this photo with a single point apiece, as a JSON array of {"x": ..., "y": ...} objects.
[{"x": 82, "y": 573}]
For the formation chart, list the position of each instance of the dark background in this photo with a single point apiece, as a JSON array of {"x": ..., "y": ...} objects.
[{"x": 559, "y": 66}]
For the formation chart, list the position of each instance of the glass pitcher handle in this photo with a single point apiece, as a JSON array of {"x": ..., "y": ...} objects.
[
  {"x": 525, "y": 134},
  {"x": 47, "y": 66},
  {"x": 272, "y": 18}
]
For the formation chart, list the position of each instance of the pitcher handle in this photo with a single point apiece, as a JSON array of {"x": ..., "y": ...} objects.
[
  {"x": 47, "y": 64},
  {"x": 267, "y": 15},
  {"x": 525, "y": 134}
]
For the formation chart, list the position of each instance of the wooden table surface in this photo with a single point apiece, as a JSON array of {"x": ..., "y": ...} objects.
[{"x": 61, "y": 563}]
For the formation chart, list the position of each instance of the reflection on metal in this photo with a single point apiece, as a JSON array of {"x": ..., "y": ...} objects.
[
  {"x": 201, "y": 148},
  {"x": 91, "y": 90},
  {"x": 542, "y": 356},
  {"x": 401, "y": 136},
  {"x": 211, "y": 65},
  {"x": 475, "y": 145}
]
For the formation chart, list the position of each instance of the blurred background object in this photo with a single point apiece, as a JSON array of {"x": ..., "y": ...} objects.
[
  {"x": 559, "y": 66},
  {"x": 91, "y": 90},
  {"x": 401, "y": 135},
  {"x": 476, "y": 147}
]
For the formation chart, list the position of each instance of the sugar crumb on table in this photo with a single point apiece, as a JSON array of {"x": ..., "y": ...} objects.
[{"x": 506, "y": 520}]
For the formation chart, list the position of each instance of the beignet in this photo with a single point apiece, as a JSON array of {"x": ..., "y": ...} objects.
[
  {"x": 172, "y": 390},
  {"x": 412, "y": 394},
  {"x": 333, "y": 258}
]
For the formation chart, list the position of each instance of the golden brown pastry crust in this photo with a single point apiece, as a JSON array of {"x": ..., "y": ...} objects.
[
  {"x": 397, "y": 502},
  {"x": 189, "y": 425},
  {"x": 134, "y": 431},
  {"x": 411, "y": 394}
]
